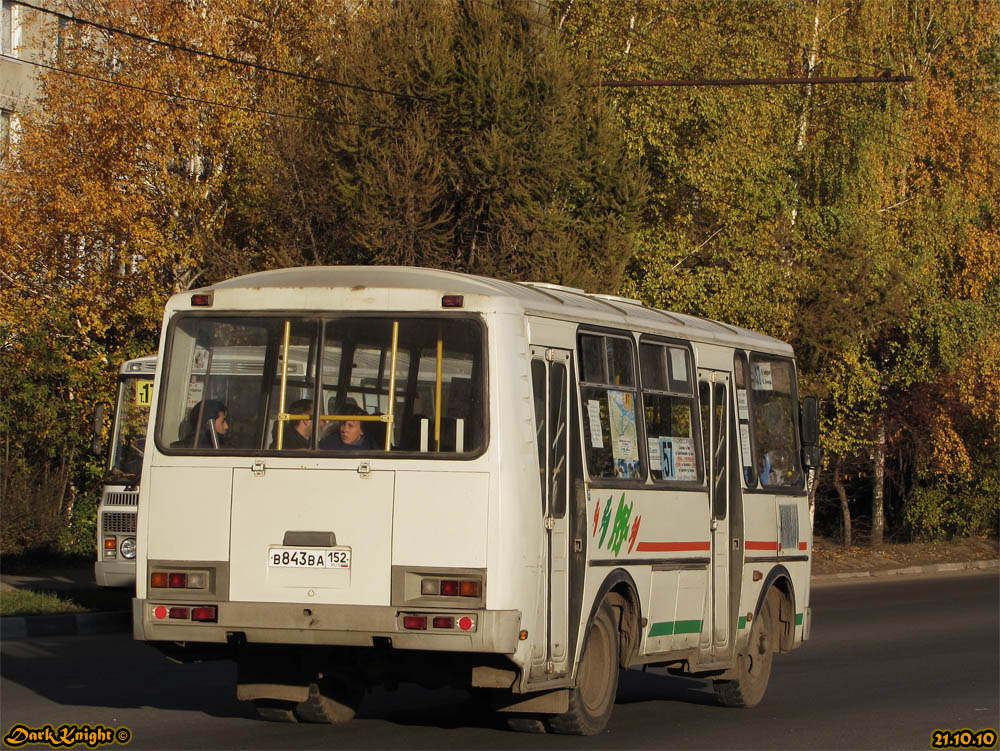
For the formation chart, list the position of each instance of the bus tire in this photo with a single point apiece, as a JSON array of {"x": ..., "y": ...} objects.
[
  {"x": 275, "y": 710},
  {"x": 593, "y": 698},
  {"x": 753, "y": 669},
  {"x": 331, "y": 701}
]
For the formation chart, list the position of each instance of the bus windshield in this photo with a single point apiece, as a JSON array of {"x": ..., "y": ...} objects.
[
  {"x": 264, "y": 384},
  {"x": 129, "y": 429}
]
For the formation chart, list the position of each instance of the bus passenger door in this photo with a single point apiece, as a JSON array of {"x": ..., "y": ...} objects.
[
  {"x": 713, "y": 395},
  {"x": 550, "y": 370}
]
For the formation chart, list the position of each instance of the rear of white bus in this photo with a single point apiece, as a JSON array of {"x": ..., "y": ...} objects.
[{"x": 322, "y": 566}]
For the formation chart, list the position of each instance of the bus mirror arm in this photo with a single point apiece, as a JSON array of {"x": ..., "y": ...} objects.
[{"x": 97, "y": 444}]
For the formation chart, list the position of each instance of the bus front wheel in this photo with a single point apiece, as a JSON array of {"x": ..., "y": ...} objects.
[
  {"x": 593, "y": 697},
  {"x": 753, "y": 669}
]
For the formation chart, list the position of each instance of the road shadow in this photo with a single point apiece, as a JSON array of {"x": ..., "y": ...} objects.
[{"x": 116, "y": 672}]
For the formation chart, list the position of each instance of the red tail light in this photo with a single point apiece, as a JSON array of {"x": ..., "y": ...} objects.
[
  {"x": 178, "y": 580},
  {"x": 444, "y": 621},
  {"x": 449, "y": 587},
  {"x": 203, "y": 613},
  {"x": 417, "y": 622},
  {"x": 183, "y": 613}
]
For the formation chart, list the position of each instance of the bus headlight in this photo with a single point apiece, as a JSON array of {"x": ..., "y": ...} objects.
[{"x": 128, "y": 548}]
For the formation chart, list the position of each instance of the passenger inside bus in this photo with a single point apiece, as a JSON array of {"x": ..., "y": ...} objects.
[
  {"x": 215, "y": 425},
  {"x": 350, "y": 436},
  {"x": 297, "y": 433}
]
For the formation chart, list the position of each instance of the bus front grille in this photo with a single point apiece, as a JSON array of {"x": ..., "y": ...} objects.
[
  {"x": 123, "y": 498},
  {"x": 121, "y": 522}
]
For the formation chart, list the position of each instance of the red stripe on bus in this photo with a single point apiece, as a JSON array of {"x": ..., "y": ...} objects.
[
  {"x": 755, "y": 545},
  {"x": 664, "y": 547},
  {"x": 802, "y": 546}
]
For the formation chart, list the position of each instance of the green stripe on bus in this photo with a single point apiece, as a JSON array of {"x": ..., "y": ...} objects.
[
  {"x": 742, "y": 623},
  {"x": 667, "y": 628},
  {"x": 798, "y": 619}
]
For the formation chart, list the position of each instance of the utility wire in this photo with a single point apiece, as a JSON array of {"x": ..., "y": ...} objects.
[
  {"x": 214, "y": 56},
  {"x": 196, "y": 100}
]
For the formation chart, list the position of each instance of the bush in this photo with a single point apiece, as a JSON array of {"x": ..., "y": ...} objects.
[{"x": 939, "y": 512}]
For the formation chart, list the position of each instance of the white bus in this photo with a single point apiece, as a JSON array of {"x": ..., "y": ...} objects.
[
  {"x": 116, "y": 514},
  {"x": 551, "y": 485}
]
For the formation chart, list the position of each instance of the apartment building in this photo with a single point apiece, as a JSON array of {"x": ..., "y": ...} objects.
[{"x": 26, "y": 37}]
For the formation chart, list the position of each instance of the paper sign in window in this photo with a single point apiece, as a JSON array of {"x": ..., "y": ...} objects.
[
  {"x": 741, "y": 404},
  {"x": 621, "y": 413},
  {"x": 745, "y": 445},
  {"x": 594, "y": 418},
  {"x": 678, "y": 364}
]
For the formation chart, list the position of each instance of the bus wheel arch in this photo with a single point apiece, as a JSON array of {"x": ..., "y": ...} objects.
[
  {"x": 622, "y": 595},
  {"x": 780, "y": 581}
]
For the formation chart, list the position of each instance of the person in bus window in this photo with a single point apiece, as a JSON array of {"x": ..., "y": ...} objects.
[
  {"x": 214, "y": 426},
  {"x": 350, "y": 436},
  {"x": 297, "y": 433}
]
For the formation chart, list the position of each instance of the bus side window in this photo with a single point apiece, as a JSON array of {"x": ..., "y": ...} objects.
[
  {"x": 669, "y": 407},
  {"x": 608, "y": 390}
]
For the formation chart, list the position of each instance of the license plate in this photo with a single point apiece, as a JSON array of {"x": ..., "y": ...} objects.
[{"x": 338, "y": 558}]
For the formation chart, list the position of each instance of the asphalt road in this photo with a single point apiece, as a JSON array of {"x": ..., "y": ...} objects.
[{"x": 889, "y": 662}]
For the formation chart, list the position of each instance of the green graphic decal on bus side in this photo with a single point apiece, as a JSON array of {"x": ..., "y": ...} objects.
[
  {"x": 620, "y": 529},
  {"x": 667, "y": 628},
  {"x": 605, "y": 518},
  {"x": 742, "y": 623},
  {"x": 798, "y": 619}
]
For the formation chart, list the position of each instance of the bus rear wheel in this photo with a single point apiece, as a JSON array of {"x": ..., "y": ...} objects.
[
  {"x": 332, "y": 700},
  {"x": 593, "y": 698},
  {"x": 753, "y": 669}
]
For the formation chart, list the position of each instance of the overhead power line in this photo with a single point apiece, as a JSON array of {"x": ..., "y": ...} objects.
[
  {"x": 795, "y": 81},
  {"x": 216, "y": 57},
  {"x": 209, "y": 102}
]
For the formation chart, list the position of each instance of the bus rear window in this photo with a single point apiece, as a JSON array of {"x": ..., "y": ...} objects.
[{"x": 352, "y": 384}]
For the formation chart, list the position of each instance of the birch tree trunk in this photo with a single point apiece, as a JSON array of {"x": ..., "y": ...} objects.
[{"x": 878, "y": 492}]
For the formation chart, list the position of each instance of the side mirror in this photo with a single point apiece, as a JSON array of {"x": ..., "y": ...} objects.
[
  {"x": 809, "y": 421},
  {"x": 97, "y": 443}
]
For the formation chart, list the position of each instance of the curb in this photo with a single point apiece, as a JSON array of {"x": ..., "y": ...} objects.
[
  {"x": 120, "y": 622},
  {"x": 934, "y": 568},
  {"x": 77, "y": 624}
]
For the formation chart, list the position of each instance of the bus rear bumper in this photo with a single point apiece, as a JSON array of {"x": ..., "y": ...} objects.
[
  {"x": 114, "y": 573},
  {"x": 492, "y": 631}
]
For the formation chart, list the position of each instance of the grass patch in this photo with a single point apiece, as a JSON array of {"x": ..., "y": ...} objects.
[{"x": 27, "y": 602}]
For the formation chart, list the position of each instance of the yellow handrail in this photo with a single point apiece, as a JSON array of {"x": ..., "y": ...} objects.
[
  {"x": 437, "y": 394},
  {"x": 284, "y": 385}
]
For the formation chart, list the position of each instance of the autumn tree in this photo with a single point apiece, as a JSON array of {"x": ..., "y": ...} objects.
[
  {"x": 118, "y": 194},
  {"x": 469, "y": 139},
  {"x": 857, "y": 222}
]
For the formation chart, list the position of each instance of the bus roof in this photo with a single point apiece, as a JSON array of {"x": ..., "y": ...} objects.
[
  {"x": 412, "y": 288},
  {"x": 139, "y": 366}
]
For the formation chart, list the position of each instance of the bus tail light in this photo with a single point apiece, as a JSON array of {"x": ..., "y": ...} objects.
[
  {"x": 450, "y": 587},
  {"x": 443, "y": 621},
  {"x": 415, "y": 622},
  {"x": 181, "y": 613},
  {"x": 204, "y": 613},
  {"x": 178, "y": 579}
]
